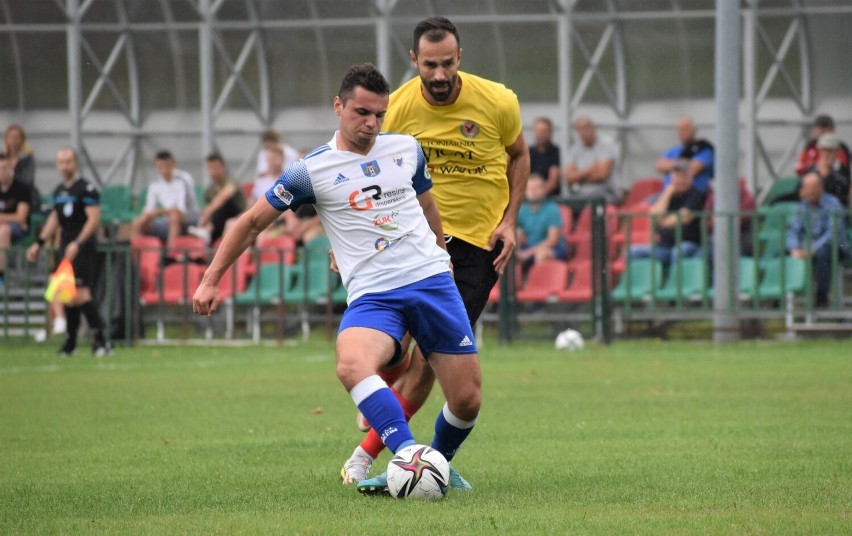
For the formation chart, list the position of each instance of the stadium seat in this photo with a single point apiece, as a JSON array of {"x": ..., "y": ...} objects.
[
  {"x": 773, "y": 221},
  {"x": 494, "y": 295},
  {"x": 178, "y": 282},
  {"x": 116, "y": 204},
  {"x": 639, "y": 228},
  {"x": 545, "y": 281},
  {"x": 580, "y": 288},
  {"x": 782, "y": 188},
  {"x": 567, "y": 219},
  {"x": 639, "y": 280},
  {"x": 267, "y": 285},
  {"x": 640, "y": 190},
  {"x": 312, "y": 282},
  {"x": 687, "y": 280},
  {"x": 188, "y": 247},
  {"x": 776, "y": 285},
  {"x": 748, "y": 279},
  {"x": 234, "y": 281},
  {"x": 147, "y": 251},
  {"x": 274, "y": 249}
]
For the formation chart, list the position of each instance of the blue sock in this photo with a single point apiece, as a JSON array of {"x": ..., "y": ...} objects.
[
  {"x": 450, "y": 433},
  {"x": 382, "y": 410}
]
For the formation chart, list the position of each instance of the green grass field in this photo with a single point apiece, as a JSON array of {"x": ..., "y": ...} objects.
[{"x": 637, "y": 438}]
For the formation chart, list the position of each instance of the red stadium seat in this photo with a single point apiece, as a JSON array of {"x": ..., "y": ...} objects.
[
  {"x": 567, "y": 219},
  {"x": 146, "y": 251},
  {"x": 580, "y": 287},
  {"x": 178, "y": 281},
  {"x": 639, "y": 226},
  {"x": 545, "y": 281},
  {"x": 188, "y": 247},
  {"x": 229, "y": 284},
  {"x": 640, "y": 190},
  {"x": 274, "y": 249}
]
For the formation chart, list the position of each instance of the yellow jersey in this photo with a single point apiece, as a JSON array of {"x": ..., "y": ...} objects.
[{"x": 465, "y": 147}]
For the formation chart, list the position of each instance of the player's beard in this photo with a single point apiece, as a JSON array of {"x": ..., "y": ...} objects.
[{"x": 449, "y": 84}]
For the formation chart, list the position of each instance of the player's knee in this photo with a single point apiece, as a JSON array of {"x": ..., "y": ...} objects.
[
  {"x": 350, "y": 372},
  {"x": 466, "y": 405}
]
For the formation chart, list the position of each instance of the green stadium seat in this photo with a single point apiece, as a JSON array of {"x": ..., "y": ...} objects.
[
  {"x": 687, "y": 280},
  {"x": 639, "y": 280},
  {"x": 116, "y": 204},
  {"x": 748, "y": 279},
  {"x": 782, "y": 187},
  {"x": 776, "y": 285}
]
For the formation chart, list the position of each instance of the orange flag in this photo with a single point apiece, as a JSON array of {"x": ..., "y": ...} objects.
[{"x": 62, "y": 283}]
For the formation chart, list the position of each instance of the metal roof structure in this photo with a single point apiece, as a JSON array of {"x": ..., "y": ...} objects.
[{"x": 119, "y": 79}]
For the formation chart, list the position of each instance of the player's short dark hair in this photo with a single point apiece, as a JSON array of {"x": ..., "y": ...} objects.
[
  {"x": 824, "y": 121},
  {"x": 270, "y": 135},
  {"x": 364, "y": 75},
  {"x": 164, "y": 155},
  {"x": 215, "y": 157},
  {"x": 435, "y": 29}
]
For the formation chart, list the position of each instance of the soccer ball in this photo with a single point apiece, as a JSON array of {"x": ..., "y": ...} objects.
[
  {"x": 418, "y": 472},
  {"x": 570, "y": 340}
]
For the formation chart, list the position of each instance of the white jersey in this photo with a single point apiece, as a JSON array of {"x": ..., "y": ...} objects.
[{"x": 369, "y": 209}]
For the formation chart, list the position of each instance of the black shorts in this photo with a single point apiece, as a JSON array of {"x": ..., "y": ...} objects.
[
  {"x": 85, "y": 263},
  {"x": 473, "y": 269}
]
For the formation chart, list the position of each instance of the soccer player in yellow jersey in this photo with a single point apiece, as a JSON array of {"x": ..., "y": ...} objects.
[{"x": 471, "y": 133}]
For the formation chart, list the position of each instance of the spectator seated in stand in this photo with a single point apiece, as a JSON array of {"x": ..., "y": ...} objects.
[
  {"x": 539, "y": 227},
  {"x": 544, "y": 155},
  {"x": 170, "y": 204},
  {"x": 820, "y": 214},
  {"x": 270, "y": 139},
  {"x": 223, "y": 200},
  {"x": 15, "y": 200},
  {"x": 698, "y": 152},
  {"x": 677, "y": 206},
  {"x": 829, "y": 168},
  {"x": 20, "y": 155},
  {"x": 590, "y": 170},
  {"x": 823, "y": 124}
]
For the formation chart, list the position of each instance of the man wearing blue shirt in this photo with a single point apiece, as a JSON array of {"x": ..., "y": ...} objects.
[
  {"x": 539, "y": 226},
  {"x": 819, "y": 214},
  {"x": 699, "y": 152}
]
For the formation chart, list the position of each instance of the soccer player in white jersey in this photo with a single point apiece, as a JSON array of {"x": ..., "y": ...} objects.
[{"x": 372, "y": 194}]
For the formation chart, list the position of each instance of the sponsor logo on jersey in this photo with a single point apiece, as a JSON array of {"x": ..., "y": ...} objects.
[
  {"x": 469, "y": 129},
  {"x": 466, "y": 342},
  {"x": 397, "y": 159},
  {"x": 365, "y": 202},
  {"x": 68, "y": 209},
  {"x": 371, "y": 168},
  {"x": 340, "y": 179},
  {"x": 382, "y": 243},
  {"x": 387, "y": 222},
  {"x": 282, "y": 193}
]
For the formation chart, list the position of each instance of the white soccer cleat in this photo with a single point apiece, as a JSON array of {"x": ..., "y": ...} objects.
[{"x": 357, "y": 467}]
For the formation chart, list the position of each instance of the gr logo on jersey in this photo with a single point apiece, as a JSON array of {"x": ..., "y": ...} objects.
[
  {"x": 282, "y": 193},
  {"x": 365, "y": 201}
]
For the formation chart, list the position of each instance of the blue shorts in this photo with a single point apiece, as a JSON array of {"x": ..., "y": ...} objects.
[
  {"x": 18, "y": 232},
  {"x": 431, "y": 309}
]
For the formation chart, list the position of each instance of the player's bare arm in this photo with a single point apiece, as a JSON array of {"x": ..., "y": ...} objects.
[
  {"x": 430, "y": 210},
  {"x": 236, "y": 240},
  {"x": 517, "y": 173}
]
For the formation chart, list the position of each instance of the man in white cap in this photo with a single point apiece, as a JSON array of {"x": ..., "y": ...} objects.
[{"x": 827, "y": 166}]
